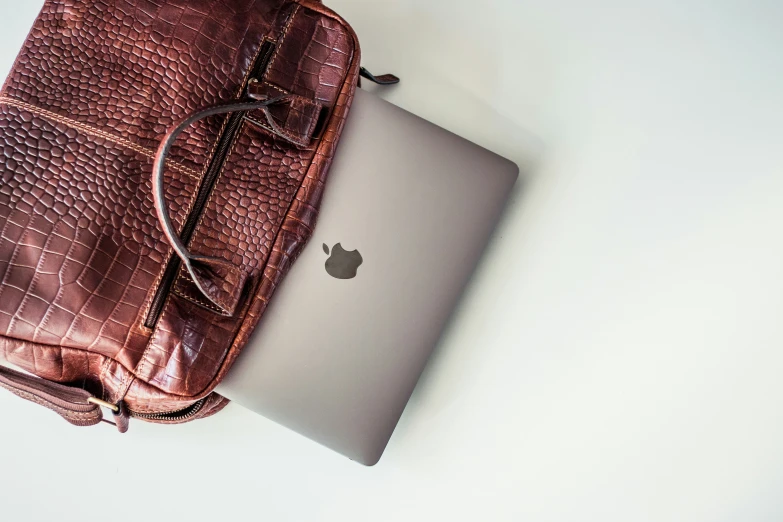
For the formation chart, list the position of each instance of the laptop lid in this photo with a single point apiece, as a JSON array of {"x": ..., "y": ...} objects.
[{"x": 407, "y": 212}]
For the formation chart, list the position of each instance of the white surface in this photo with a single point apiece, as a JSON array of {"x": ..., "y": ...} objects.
[{"x": 619, "y": 355}]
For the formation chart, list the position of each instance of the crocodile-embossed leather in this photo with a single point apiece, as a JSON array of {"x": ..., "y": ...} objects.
[{"x": 95, "y": 88}]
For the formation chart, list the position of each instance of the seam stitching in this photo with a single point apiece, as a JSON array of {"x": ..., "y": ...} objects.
[
  {"x": 210, "y": 307},
  {"x": 273, "y": 86},
  {"x": 281, "y": 40},
  {"x": 87, "y": 129},
  {"x": 184, "y": 275},
  {"x": 73, "y": 415},
  {"x": 220, "y": 176},
  {"x": 282, "y": 133}
]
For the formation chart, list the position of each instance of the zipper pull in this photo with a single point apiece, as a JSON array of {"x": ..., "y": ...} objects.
[
  {"x": 122, "y": 417},
  {"x": 118, "y": 411},
  {"x": 383, "y": 79}
]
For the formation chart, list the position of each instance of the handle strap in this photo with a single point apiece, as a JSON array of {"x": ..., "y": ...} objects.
[
  {"x": 218, "y": 280},
  {"x": 74, "y": 405}
]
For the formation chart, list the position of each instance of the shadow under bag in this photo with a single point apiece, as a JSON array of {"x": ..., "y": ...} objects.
[{"x": 161, "y": 166}]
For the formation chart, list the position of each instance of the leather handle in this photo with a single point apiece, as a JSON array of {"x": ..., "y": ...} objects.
[{"x": 218, "y": 280}]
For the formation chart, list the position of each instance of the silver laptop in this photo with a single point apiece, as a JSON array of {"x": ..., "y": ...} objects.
[{"x": 408, "y": 210}]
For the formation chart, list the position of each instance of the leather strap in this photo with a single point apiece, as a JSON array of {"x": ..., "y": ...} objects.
[
  {"x": 218, "y": 280},
  {"x": 69, "y": 403},
  {"x": 72, "y": 404}
]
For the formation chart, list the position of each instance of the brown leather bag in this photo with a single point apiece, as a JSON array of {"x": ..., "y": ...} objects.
[{"x": 162, "y": 164}]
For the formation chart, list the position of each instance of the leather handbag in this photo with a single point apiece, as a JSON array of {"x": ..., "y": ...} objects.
[{"x": 161, "y": 167}]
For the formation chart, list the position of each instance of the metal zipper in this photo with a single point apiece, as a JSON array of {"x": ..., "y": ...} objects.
[
  {"x": 179, "y": 415},
  {"x": 207, "y": 185}
]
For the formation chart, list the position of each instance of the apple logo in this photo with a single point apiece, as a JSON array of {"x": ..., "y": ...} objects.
[{"x": 342, "y": 264}]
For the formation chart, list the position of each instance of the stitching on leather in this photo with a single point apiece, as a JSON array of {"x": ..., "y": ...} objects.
[
  {"x": 227, "y": 118},
  {"x": 186, "y": 276},
  {"x": 102, "y": 375},
  {"x": 73, "y": 415},
  {"x": 230, "y": 153},
  {"x": 282, "y": 38},
  {"x": 252, "y": 62},
  {"x": 195, "y": 301},
  {"x": 77, "y": 416},
  {"x": 150, "y": 344},
  {"x": 272, "y": 85},
  {"x": 314, "y": 121},
  {"x": 87, "y": 129},
  {"x": 260, "y": 124},
  {"x": 289, "y": 135},
  {"x": 319, "y": 25},
  {"x": 127, "y": 382},
  {"x": 155, "y": 284},
  {"x": 143, "y": 361},
  {"x": 206, "y": 167},
  {"x": 281, "y": 133}
]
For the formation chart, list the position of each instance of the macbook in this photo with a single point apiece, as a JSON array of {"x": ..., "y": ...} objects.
[{"x": 407, "y": 212}]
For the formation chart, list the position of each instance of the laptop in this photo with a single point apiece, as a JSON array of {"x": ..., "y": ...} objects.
[{"x": 407, "y": 212}]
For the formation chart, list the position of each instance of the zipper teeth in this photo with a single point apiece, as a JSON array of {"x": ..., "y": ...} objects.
[
  {"x": 207, "y": 185},
  {"x": 172, "y": 269},
  {"x": 182, "y": 414},
  {"x": 263, "y": 59}
]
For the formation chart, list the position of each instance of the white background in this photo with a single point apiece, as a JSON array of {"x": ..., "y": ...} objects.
[{"x": 619, "y": 355}]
